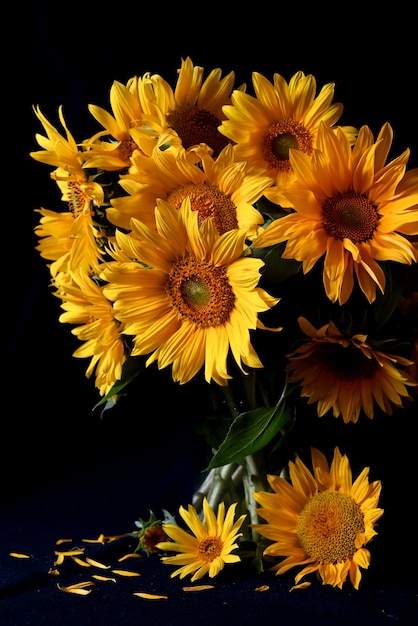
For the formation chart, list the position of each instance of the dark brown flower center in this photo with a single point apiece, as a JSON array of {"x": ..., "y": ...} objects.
[
  {"x": 126, "y": 149},
  {"x": 328, "y": 527},
  {"x": 194, "y": 126},
  {"x": 347, "y": 363},
  {"x": 350, "y": 215},
  {"x": 280, "y": 138},
  {"x": 201, "y": 292},
  {"x": 210, "y": 548},
  {"x": 209, "y": 201}
]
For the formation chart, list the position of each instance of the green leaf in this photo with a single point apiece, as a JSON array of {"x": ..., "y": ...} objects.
[
  {"x": 132, "y": 367},
  {"x": 386, "y": 303},
  {"x": 273, "y": 210},
  {"x": 249, "y": 433}
]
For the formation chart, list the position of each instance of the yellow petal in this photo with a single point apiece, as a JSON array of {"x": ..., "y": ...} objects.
[
  {"x": 19, "y": 555},
  {"x": 304, "y": 585},
  {"x": 199, "y": 588},
  {"x": 123, "y": 572},
  {"x": 97, "y": 563},
  {"x": 53, "y": 572},
  {"x": 78, "y": 588},
  {"x": 150, "y": 596},
  {"x": 69, "y": 552},
  {"x": 105, "y": 538},
  {"x": 80, "y": 562},
  {"x": 131, "y": 555}
]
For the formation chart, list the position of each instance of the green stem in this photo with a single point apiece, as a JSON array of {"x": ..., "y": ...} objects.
[{"x": 237, "y": 482}]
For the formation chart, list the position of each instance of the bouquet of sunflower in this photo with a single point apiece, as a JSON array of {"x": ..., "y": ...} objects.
[{"x": 249, "y": 241}]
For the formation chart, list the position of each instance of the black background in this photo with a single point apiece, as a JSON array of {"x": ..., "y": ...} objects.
[{"x": 142, "y": 454}]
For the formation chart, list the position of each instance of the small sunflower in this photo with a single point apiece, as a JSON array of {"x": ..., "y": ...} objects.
[
  {"x": 321, "y": 521},
  {"x": 209, "y": 548},
  {"x": 351, "y": 208},
  {"x": 127, "y": 130},
  {"x": 220, "y": 188},
  {"x": 189, "y": 294},
  {"x": 193, "y": 109},
  {"x": 84, "y": 305},
  {"x": 281, "y": 116},
  {"x": 346, "y": 375}
]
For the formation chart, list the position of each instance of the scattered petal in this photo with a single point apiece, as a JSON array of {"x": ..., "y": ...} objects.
[
  {"x": 97, "y": 563},
  {"x": 59, "y": 560},
  {"x": 53, "y": 571},
  {"x": 19, "y": 555},
  {"x": 100, "y": 539},
  {"x": 262, "y": 588},
  {"x": 105, "y": 538},
  {"x": 73, "y": 552},
  {"x": 150, "y": 596},
  {"x": 60, "y": 541},
  {"x": 80, "y": 562},
  {"x": 304, "y": 585},
  {"x": 199, "y": 588},
  {"x": 123, "y": 572},
  {"x": 104, "y": 578},
  {"x": 78, "y": 588},
  {"x": 131, "y": 555}
]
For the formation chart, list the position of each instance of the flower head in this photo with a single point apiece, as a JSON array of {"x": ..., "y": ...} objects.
[
  {"x": 346, "y": 374},
  {"x": 127, "y": 130},
  {"x": 220, "y": 188},
  {"x": 322, "y": 521},
  {"x": 69, "y": 238},
  {"x": 86, "y": 307},
  {"x": 350, "y": 208},
  {"x": 280, "y": 117},
  {"x": 190, "y": 296},
  {"x": 151, "y": 532},
  {"x": 209, "y": 548},
  {"x": 193, "y": 109}
]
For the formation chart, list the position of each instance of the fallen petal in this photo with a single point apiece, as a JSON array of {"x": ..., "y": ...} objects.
[
  {"x": 150, "y": 596},
  {"x": 19, "y": 555},
  {"x": 131, "y": 555},
  {"x": 97, "y": 563},
  {"x": 123, "y": 572},
  {"x": 304, "y": 585},
  {"x": 78, "y": 588}
]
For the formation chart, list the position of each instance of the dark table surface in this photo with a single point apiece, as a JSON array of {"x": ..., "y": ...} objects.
[{"x": 83, "y": 505}]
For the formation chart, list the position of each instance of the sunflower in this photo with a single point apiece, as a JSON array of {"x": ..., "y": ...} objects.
[
  {"x": 189, "y": 294},
  {"x": 346, "y": 374},
  {"x": 126, "y": 131},
  {"x": 193, "y": 109},
  {"x": 351, "y": 208},
  {"x": 321, "y": 521},
  {"x": 220, "y": 188},
  {"x": 84, "y": 304},
  {"x": 210, "y": 548},
  {"x": 70, "y": 238},
  {"x": 279, "y": 117}
]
